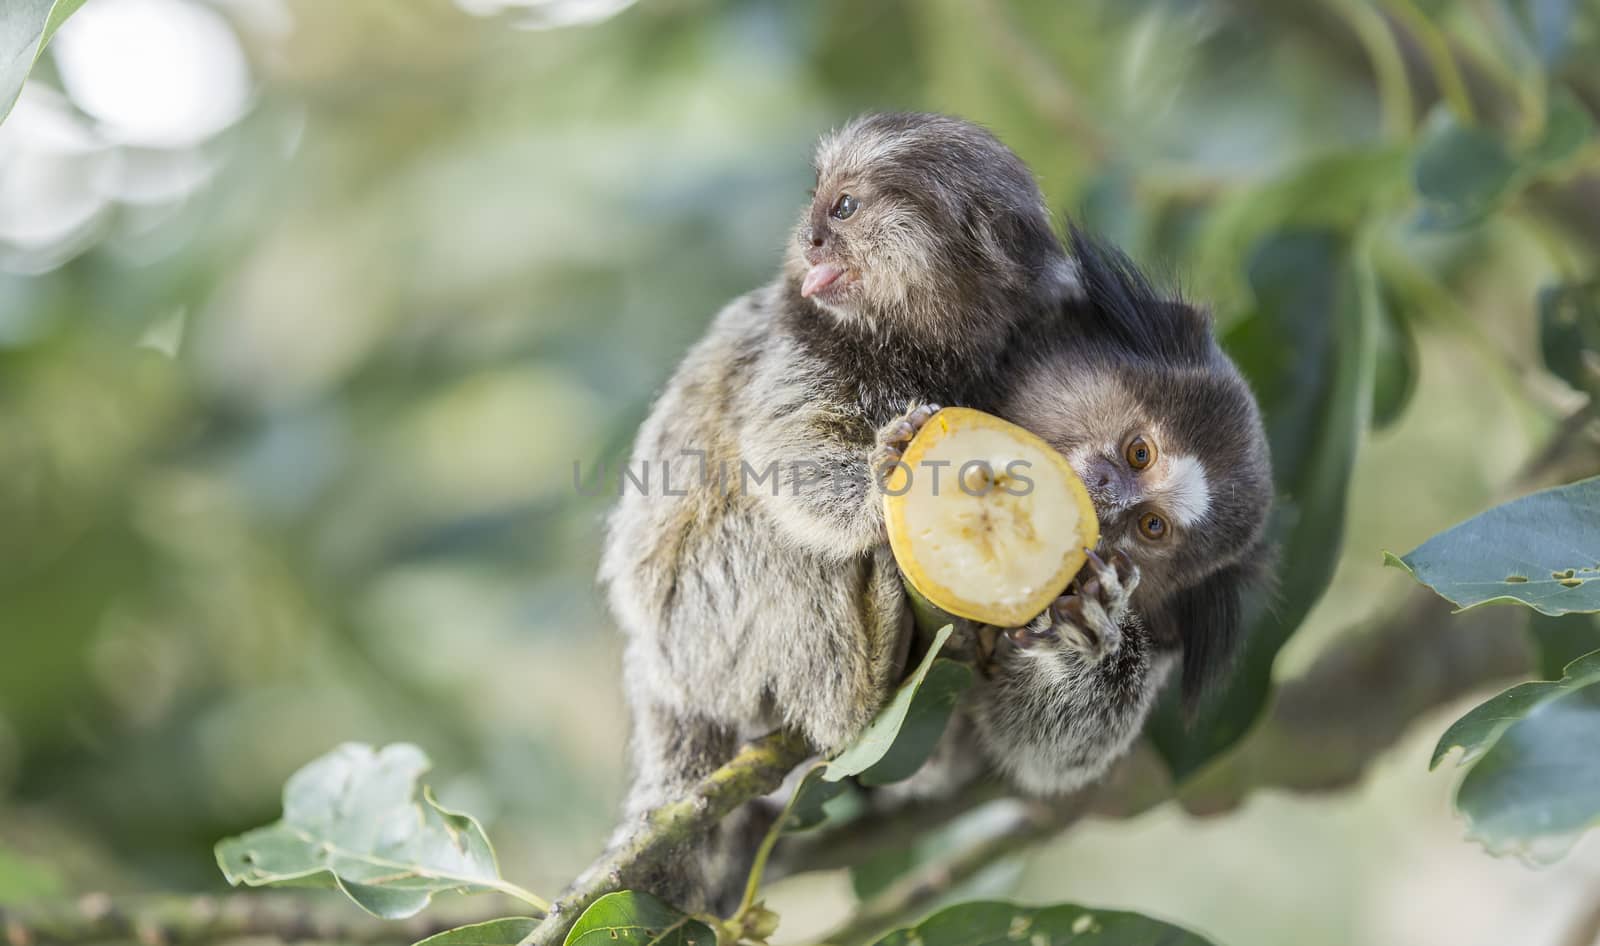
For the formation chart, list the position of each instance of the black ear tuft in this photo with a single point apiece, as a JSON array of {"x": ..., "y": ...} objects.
[
  {"x": 1129, "y": 311},
  {"x": 1209, "y": 620}
]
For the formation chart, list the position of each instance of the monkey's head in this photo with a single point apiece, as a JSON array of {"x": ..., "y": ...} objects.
[
  {"x": 1166, "y": 435},
  {"x": 922, "y": 222}
]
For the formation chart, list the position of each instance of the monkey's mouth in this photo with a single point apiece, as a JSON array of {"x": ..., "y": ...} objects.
[{"x": 826, "y": 280}]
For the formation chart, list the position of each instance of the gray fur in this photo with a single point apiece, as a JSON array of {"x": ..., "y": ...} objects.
[{"x": 751, "y": 608}]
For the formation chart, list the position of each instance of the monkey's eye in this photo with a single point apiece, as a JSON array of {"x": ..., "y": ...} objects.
[
  {"x": 843, "y": 207},
  {"x": 1152, "y": 526},
  {"x": 1140, "y": 453}
]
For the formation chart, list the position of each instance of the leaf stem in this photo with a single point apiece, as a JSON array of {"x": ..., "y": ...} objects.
[
  {"x": 526, "y": 896},
  {"x": 1436, "y": 47},
  {"x": 1388, "y": 65},
  {"x": 758, "y": 868}
]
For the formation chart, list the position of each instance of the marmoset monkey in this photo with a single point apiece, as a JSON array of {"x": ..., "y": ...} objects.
[
  {"x": 1158, "y": 423},
  {"x": 751, "y": 573}
]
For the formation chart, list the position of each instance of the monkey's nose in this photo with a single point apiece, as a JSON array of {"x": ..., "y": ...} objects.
[{"x": 813, "y": 237}]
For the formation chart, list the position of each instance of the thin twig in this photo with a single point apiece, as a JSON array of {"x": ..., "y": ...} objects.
[
  {"x": 1441, "y": 57},
  {"x": 849, "y": 844},
  {"x": 1388, "y": 66},
  {"x": 1029, "y": 824}
]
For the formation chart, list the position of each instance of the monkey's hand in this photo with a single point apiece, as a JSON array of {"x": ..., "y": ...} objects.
[
  {"x": 1068, "y": 694},
  {"x": 1088, "y": 619},
  {"x": 894, "y": 437}
]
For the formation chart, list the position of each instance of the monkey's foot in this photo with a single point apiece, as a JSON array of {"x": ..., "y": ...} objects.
[
  {"x": 894, "y": 437},
  {"x": 1088, "y": 619}
]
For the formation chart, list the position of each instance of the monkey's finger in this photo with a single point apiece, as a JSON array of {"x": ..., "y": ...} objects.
[
  {"x": 1097, "y": 627},
  {"x": 1031, "y": 636},
  {"x": 1067, "y": 609},
  {"x": 900, "y": 431},
  {"x": 1127, "y": 573},
  {"x": 919, "y": 416}
]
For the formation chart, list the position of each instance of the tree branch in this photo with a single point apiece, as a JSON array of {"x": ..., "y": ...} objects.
[
  {"x": 757, "y": 769},
  {"x": 1026, "y": 825},
  {"x": 1362, "y": 696},
  {"x": 168, "y": 920}
]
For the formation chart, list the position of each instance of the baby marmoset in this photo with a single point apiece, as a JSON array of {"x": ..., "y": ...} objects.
[
  {"x": 754, "y": 581},
  {"x": 1134, "y": 390}
]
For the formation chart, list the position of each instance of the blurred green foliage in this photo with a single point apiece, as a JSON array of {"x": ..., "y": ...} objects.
[{"x": 286, "y": 454}]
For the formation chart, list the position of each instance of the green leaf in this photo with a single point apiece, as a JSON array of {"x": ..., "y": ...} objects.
[
  {"x": 807, "y": 807},
  {"x": 905, "y": 731},
  {"x": 631, "y": 918},
  {"x": 1308, "y": 353},
  {"x": 1477, "y": 731},
  {"x": 506, "y": 931},
  {"x": 1568, "y": 127},
  {"x": 25, "y": 27},
  {"x": 1541, "y": 550},
  {"x": 1460, "y": 171},
  {"x": 1569, "y": 333},
  {"x": 358, "y": 819},
  {"x": 1535, "y": 786},
  {"x": 993, "y": 923}
]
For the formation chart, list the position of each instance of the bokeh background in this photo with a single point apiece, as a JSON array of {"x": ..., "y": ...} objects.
[{"x": 309, "y": 308}]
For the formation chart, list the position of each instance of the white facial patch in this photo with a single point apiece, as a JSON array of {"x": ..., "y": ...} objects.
[{"x": 1186, "y": 492}]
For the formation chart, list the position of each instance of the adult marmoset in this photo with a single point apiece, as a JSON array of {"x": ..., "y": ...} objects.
[
  {"x": 751, "y": 574},
  {"x": 1132, "y": 387}
]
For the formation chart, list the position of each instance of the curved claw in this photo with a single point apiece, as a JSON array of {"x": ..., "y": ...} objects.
[
  {"x": 1122, "y": 564},
  {"x": 1030, "y": 636},
  {"x": 1067, "y": 608}
]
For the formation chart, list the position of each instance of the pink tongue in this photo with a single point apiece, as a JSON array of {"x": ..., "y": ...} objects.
[{"x": 820, "y": 277}]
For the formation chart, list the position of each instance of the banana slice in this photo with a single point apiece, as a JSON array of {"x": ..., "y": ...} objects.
[{"x": 987, "y": 521}]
